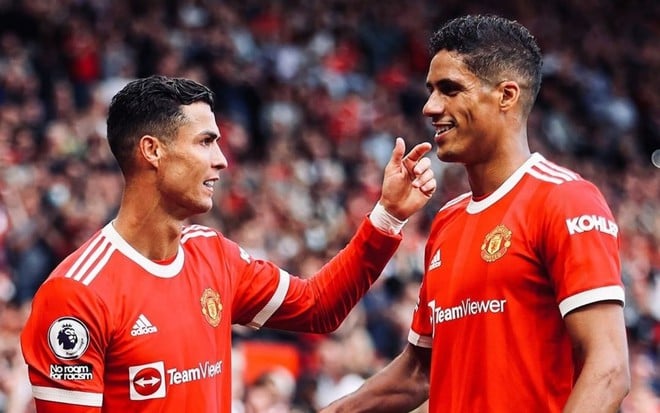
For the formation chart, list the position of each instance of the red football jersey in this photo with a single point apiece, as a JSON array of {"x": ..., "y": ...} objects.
[
  {"x": 501, "y": 274},
  {"x": 112, "y": 331}
]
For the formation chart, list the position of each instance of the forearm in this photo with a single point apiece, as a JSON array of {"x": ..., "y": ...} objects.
[
  {"x": 599, "y": 389},
  {"x": 399, "y": 387},
  {"x": 321, "y": 302},
  {"x": 344, "y": 280}
]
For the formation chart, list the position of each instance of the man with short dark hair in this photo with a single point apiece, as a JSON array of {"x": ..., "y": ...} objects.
[
  {"x": 151, "y": 301},
  {"x": 521, "y": 305}
]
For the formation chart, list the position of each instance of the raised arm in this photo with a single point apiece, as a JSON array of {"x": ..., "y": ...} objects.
[
  {"x": 400, "y": 387},
  {"x": 321, "y": 302}
]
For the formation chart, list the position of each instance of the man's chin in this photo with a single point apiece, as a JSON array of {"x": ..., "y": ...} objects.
[
  {"x": 199, "y": 209},
  {"x": 447, "y": 156}
]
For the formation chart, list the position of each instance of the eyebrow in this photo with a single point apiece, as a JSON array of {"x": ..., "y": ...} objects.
[
  {"x": 210, "y": 134},
  {"x": 445, "y": 83}
]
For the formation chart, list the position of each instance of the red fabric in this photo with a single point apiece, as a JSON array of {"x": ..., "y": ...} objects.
[
  {"x": 499, "y": 274},
  {"x": 110, "y": 326}
]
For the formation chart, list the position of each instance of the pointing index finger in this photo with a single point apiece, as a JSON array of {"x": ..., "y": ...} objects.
[{"x": 418, "y": 152}]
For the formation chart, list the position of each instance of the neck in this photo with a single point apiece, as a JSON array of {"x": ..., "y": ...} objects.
[
  {"x": 146, "y": 227},
  {"x": 485, "y": 177}
]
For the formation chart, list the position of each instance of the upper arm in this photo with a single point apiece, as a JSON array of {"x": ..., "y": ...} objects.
[
  {"x": 418, "y": 362},
  {"x": 598, "y": 334},
  {"x": 63, "y": 343}
]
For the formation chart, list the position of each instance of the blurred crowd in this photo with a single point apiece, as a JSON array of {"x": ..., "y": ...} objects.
[{"x": 310, "y": 97}]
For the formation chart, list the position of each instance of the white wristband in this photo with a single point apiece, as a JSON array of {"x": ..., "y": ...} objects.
[{"x": 384, "y": 221}]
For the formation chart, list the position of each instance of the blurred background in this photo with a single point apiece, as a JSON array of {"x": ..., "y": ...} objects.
[{"x": 310, "y": 96}]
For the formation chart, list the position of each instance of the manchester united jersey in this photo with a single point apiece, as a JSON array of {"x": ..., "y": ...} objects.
[
  {"x": 112, "y": 331},
  {"x": 501, "y": 274}
]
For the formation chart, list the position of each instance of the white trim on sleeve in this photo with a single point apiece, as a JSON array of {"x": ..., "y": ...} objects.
[
  {"x": 420, "y": 341},
  {"x": 612, "y": 292},
  {"x": 275, "y": 302},
  {"x": 67, "y": 396}
]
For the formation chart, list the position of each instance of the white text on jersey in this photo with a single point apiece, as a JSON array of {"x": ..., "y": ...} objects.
[
  {"x": 71, "y": 372},
  {"x": 466, "y": 308},
  {"x": 202, "y": 371},
  {"x": 585, "y": 223}
]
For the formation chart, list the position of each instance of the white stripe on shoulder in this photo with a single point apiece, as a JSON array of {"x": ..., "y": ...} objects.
[
  {"x": 543, "y": 177},
  {"x": 97, "y": 259},
  {"x": 561, "y": 169},
  {"x": 194, "y": 227},
  {"x": 609, "y": 293},
  {"x": 546, "y": 168},
  {"x": 99, "y": 266},
  {"x": 208, "y": 233},
  {"x": 547, "y": 171},
  {"x": 103, "y": 249},
  {"x": 91, "y": 249},
  {"x": 456, "y": 200},
  {"x": 275, "y": 301},
  {"x": 420, "y": 341},
  {"x": 80, "y": 398}
]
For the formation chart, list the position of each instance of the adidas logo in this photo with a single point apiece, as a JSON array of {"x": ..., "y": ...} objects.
[
  {"x": 435, "y": 261},
  {"x": 142, "y": 326}
]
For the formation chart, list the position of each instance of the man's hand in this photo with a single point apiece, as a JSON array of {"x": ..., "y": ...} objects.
[{"x": 408, "y": 181}]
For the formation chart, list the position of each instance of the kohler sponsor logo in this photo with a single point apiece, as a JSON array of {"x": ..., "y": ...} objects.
[{"x": 586, "y": 223}]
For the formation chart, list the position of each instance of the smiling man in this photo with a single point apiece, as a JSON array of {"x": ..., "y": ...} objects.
[
  {"x": 521, "y": 305},
  {"x": 139, "y": 318}
]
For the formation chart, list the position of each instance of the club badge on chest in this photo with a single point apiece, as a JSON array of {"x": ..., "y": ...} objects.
[
  {"x": 211, "y": 306},
  {"x": 496, "y": 243}
]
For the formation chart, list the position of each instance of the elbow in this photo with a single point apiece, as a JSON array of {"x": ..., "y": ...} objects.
[
  {"x": 624, "y": 381},
  {"x": 619, "y": 381},
  {"x": 326, "y": 324}
]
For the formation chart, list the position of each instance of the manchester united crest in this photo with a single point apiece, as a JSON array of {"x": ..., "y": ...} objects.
[
  {"x": 496, "y": 243},
  {"x": 211, "y": 306}
]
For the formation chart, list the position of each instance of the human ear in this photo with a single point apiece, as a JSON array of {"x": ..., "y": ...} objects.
[
  {"x": 151, "y": 149},
  {"x": 509, "y": 94}
]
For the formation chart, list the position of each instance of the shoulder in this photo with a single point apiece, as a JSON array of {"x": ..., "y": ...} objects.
[
  {"x": 458, "y": 203},
  {"x": 546, "y": 171},
  {"x": 565, "y": 198},
  {"x": 561, "y": 187},
  {"x": 86, "y": 261},
  {"x": 200, "y": 237}
]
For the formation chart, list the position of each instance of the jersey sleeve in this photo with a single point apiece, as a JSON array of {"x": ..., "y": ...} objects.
[
  {"x": 63, "y": 345},
  {"x": 318, "y": 303},
  {"x": 580, "y": 246},
  {"x": 421, "y": 327},
  {"x": 259, "y": 287}
]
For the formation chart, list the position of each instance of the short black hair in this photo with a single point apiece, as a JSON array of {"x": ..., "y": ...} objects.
[
  {"x": 149, "y": 106},
  {"x": 493, "y": 47}
]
